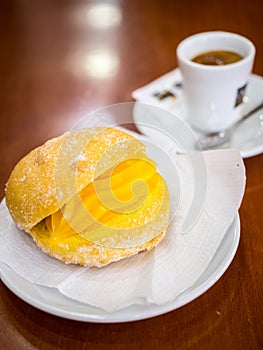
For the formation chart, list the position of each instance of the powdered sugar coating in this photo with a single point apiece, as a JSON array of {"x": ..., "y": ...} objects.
[
  {"x": 33, "y": 187},
  {"x": 84, "y": 253},
  {"x": 44, "y": 180}
]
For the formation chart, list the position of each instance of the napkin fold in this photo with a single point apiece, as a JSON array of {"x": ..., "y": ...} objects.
[{"x": 154, "y": 277}]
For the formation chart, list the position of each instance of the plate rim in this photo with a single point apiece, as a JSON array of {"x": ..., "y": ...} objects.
[{"x": 147, "y": 311}]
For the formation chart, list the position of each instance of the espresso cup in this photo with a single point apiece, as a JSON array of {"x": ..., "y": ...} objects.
[{"x": 214, "y": 94}]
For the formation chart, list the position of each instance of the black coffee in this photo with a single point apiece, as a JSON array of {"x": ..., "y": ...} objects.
[{"x": 217, "y": 58}]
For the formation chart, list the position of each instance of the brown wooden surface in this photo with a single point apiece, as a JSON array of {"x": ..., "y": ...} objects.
[{"x": 44, "y": 91}]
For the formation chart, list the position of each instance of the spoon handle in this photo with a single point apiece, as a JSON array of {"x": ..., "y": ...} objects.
[
  {"x": 218, "y": 139},
  {"x": 252, "y": 111}
]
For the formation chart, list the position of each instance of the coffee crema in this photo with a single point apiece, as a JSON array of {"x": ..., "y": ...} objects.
[{"x": 217, "y": 58}]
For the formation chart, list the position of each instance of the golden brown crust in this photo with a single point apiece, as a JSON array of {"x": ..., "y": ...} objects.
[
  {"x": 85, "y": 253},
  {"x": 26, "y": 200},
  {"x": 31, "y": 191},
  {"x": 44, "y": 180}
]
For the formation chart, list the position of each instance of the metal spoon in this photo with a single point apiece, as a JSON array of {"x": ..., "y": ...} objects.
[{"x": 216, "y": 139}]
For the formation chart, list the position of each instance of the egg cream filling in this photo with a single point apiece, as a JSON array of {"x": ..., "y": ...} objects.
[{"x": 122, "y": 200}]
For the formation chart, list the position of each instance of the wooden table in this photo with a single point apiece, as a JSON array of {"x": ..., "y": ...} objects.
[{"x": 48, "y": 82}]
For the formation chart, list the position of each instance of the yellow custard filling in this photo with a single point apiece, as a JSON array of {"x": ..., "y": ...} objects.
[{"x": 121, "y": 202}]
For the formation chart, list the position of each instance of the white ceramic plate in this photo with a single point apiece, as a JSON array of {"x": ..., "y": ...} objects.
[
  {"x": 155, "y": 122},
  {"x": 53, "y": 302}
]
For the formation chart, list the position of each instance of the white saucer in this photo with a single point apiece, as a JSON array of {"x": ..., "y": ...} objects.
[
  {"x": 247, "y": 137},
  {"x": 53, "y": 302}
]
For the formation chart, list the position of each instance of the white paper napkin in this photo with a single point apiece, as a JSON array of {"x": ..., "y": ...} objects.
[
  {"x": 170, "y": 82},
  {"x": 154, "y": 277}
]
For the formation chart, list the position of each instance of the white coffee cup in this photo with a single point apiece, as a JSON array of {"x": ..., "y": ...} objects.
[{"x": 214, "y": 93}]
